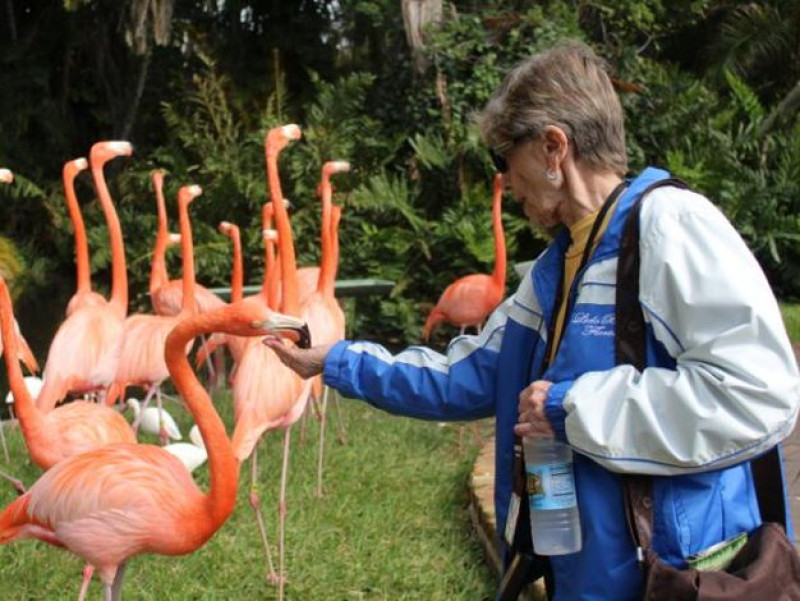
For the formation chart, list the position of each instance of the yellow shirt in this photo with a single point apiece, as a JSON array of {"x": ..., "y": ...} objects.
[{"x": 579, "y": 232}]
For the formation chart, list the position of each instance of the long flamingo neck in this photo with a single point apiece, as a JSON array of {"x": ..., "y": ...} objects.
[
  {"x": 291, "y": 303},
  {"x": 499, "y": 273},
  {"x": 269, "y": 253},
  {"x": 237, "y": 273},
  {"x": 187, "y": 252},
  {"x": 119, "y": 275},
  {"x": 335, "y": 218},
  {"x": 158, "y": 269},
  {"x": 223, "y": 467},
  {"x": 26, "y": 410},
  {"x": 327, "y": 268},
  {"x": 84, "y": 283}
]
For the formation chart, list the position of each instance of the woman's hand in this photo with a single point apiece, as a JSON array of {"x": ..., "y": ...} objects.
[
  {"x": 533, "y": 421},
  {"x": 306, "y": 362}
]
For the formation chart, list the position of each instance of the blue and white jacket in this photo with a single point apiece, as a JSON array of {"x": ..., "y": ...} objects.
[{"x": 720, "y": 388}]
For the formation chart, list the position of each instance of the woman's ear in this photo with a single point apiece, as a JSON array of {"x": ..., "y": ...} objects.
[{"x": 556, "y": 146}]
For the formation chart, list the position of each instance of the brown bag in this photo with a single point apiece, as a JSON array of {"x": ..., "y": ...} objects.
[{"x": 766, "y": 568}]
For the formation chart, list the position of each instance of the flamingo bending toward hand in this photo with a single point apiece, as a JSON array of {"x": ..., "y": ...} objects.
[
  {"x": 469, "y": 300},
  {"x": 82, "y": 355},
  {"x": 115, "y": 502},
  {"x": 141, "y": 361}
]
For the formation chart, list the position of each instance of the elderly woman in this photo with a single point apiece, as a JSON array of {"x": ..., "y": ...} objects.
[{"x": 720, "y": 385}]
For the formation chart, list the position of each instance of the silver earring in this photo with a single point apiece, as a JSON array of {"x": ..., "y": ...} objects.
[{"x": 550, "y": 174}]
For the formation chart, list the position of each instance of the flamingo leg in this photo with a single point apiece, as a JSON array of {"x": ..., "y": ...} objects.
[
  {"x": 15, "y": 482},
  {"x": 282, "y": 513},
  {"x": 255, "y": 503},
  {"x": 116, "y": 587},
  {"x": 88, "y": 570},
  {"x": 163, "y": 437},
  {"x": 339, "y": 418},
  {"x": 150, "y": 392},
  {"x": 108, "y": 594},
  {"x": 3, "y": 440},
  {"x": 323, "y": 418}
]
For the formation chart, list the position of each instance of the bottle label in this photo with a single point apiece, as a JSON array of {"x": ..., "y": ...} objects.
[{"x": 551, "y": 486}]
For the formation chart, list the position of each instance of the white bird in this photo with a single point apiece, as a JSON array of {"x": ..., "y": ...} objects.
[
  {"x": 34, "y": 385},
  {"x": 192, "y": 454},
  {"x": 149, "y": 420}
]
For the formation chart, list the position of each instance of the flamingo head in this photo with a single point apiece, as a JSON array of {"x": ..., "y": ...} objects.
[
  {"x": 289, "y": 327},
  {"x": 188, "y": 193},
  {"x": 269, "y": 235},
  {"x": 157, "y": 177},
  {"x": 228, "y": 228},
  {"x": 332, "y": 167},
  {"x": 279, "y": 137},
  {"x": 74, "y": 167},
  {"x": 173, "y": 238},
  {"x": 6, "y": 176},
  {"x": 102, "y": 152}
]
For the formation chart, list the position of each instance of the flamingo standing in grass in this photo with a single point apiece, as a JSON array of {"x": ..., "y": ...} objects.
[
  {"x": 167, "y": 295},
  {"x": 266, "y": 394},
  {"x": 82, "y": 355},
  {"x": 322, "y": 311},
  {"x": 113, "y": 503},
  {"x": 141, "y": 361},
  {"x": 84, "y": 295},
  {"x": 68, "y": 430},
  {"x": 469, "y": 300}
]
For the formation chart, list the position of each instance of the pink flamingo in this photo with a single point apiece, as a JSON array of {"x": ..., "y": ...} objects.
[
  {"x": 115, "y": 502},
  {"x": 82, "y": 355},
  {"x": 67, "y": 430},
  {"x": 322, "y": 312},
  {"x": 469, "y": 300},
  {"x": 141, "y": 361},
  {"x": 84, "y": 295},
  {"x": 267, "y": 395},
  {"x": 165, "y": 294},
  {"x": 25, "y": 354}
]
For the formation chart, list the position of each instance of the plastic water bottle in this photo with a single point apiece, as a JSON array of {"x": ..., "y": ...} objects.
[{"x": 555, "y": 523}]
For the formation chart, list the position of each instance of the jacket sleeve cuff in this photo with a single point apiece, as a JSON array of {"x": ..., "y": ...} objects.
[
  {"x": 554, "y": 408},
  {"x": 331, "y": 371}
]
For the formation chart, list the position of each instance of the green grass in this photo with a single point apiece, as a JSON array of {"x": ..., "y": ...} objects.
[
  {"x": 393, "y": 524},
  {"x": 791, "y": 317}
]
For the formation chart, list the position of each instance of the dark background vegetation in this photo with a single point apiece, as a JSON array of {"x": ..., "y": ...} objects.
[{"x": 710, "y": 87}]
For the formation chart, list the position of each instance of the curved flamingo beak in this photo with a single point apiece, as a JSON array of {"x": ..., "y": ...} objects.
[
  {"x": 279, "y": 137},
  {"x": 6, "y": 176},
  {"x": 269, "y": 235},
  {"x": 280, "y": 324},
  {"x": 103, "y": 152},
  {"x": 188, "y": 193},
  {"x": 74, "y": 167},
  {"x": 332, "y": 167}
]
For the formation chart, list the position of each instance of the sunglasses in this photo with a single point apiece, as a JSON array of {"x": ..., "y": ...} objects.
[{"x": 499, "y": 160}]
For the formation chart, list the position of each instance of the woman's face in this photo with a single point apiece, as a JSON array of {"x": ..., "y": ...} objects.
[{"x": 526, "y": 179}]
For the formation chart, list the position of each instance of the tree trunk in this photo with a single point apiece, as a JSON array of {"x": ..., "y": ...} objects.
[
  {"x": 787, "y": 106},
  {"x": 133, "y": 109},
  {"x": 418, "y": 14}
]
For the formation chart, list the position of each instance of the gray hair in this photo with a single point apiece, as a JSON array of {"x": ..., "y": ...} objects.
[{"x": 568, "y": 87}]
